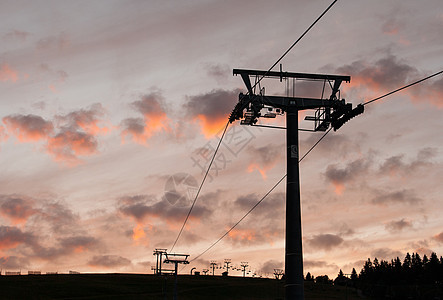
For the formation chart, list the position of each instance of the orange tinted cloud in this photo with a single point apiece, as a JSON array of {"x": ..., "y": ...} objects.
[
  {"x": 28, "y": 128},
  {"x": 255, "y": 166},
  {"x": 87, "y": 119},
  {"x": 155, "y": 119},
  {"x": 212, "y": 109},
  {"x": 3, "y": 134},
  {"x": 69, "y": 144},
  {"x": 242, "y": 235},
  {"x": 339, "y": 188},
  {"x": 138, "y": 232},
  {"x": 8, "y": 74},
  {"x": 211, "y": 127}
]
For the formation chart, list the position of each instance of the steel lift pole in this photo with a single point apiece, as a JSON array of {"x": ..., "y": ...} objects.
[{"x": 293, "y": 247}]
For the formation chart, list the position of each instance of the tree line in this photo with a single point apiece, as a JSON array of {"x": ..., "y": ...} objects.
[{"x": 414, "y": 277}]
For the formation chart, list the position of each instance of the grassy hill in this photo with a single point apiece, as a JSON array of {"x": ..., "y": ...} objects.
[{"x": 142, "y": 286}]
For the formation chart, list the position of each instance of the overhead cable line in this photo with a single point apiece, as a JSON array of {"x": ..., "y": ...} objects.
[
  {"x": 293, "y": 44},
  {"x": 201, "y": 185},
  {"x": 404, "y": 87},
  {"x": 256, "y": 83}
]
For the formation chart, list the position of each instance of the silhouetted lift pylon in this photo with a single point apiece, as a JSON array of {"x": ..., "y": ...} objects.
[{"x": 330, "y": 111}]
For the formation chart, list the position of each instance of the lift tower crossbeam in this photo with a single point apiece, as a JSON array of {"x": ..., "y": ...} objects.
[{"x": 330, "y": 111}]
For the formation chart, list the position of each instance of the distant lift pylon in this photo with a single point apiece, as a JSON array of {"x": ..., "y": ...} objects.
[{"x": 331, "y": 111}]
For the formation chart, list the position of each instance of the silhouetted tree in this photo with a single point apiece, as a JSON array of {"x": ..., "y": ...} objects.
[
  {"x": 354, "y": 275},
  {"x": 309, "y": 277},
  {"x": 407, "y": 262},
  {"x": 341, "y": 279}
]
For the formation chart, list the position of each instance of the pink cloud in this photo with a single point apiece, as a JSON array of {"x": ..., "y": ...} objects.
[
  {"x": 8, "y": 74},
  {"x": 28, "y": 128},
  {"x": 3, "y": 134},
  {"x": 17, "y": 209}
]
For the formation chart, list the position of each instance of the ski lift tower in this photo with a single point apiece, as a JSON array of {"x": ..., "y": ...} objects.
[
  {"x": 176, "y": 259},
  {"x": 331, "y": 111}
]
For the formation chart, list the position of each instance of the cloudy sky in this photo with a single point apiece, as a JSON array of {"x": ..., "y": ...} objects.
[{"x": 107, "y": 106}]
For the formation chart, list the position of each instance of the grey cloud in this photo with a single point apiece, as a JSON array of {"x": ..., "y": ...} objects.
[
  {"x": 109, "y": 261},
  {"x": 266, "y": 155},
  {"x": 218, "y": 71},
  {"x": 427, "y": 153},
  {"x": 134, "y": 126},
  {"x": 396, "y": 164},
  {"x": 386, "y": 253},
  {"x": 150, "y": 104},
  {"x": 58, "y": 75},
  {"x": 66, "y": 246},
  {"x": 14, "y": 262},
  {"x": 339, "y": 142},
  {"x": 269, "y": 266},
  {"x": 16, "y": 208},
  {"x": 53, "y": 42},
  {"x": 214, "y": 104},
  {"x": 60, "y": 218},
  {"x": 387, "y": 73},
  {"x": 402, "y": 196},
  {"x": 83, "y": 117},
  {"x": 399, "y": 225},
  {"x": 355, "y": 168},
  {"x": 439, "y": 237},
  {"x": 11, "y": 237},
  {"x": 314, "y": 264},
  {"x": 270, "y": 208},
  {"x": 143, "y": 206},
  {"x": 79, "y": 241},
  {"x": 325, "y": 241},
  {"x": 346, "y": 230}
]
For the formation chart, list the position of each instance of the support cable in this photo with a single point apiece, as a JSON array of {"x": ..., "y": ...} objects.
[
  {"x": 256, "y": 83},
  {"x": 404, "y": 87},
  {"x": 201, "y": 185},
  {"x": 295, "y": 43}
]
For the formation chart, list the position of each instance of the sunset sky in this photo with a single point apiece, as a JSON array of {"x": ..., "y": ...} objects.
[{"x": 103, "y": 101}]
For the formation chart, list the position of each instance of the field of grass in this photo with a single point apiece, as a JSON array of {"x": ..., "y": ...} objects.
[{"x": 142, "y": 286}]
